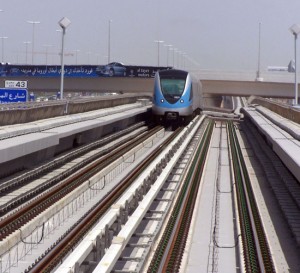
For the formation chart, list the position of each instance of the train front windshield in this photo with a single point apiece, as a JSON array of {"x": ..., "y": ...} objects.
[{"x": 172, "y": 85}]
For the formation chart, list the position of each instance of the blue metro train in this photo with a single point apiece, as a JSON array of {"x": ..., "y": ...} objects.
[{"x": 177, "y": 96}]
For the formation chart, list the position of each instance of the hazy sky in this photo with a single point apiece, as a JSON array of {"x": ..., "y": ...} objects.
[{"x": 215, "y": 34}]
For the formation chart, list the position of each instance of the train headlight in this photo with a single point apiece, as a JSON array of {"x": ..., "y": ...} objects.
[
  {"x": 181, "y": 101},
  {"x": 162, "y": 100}
]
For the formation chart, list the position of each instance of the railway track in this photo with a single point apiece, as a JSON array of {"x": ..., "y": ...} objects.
[
  {"x": 11, "y": 241},
  {"x": 284, "y": 190},
  {"x": 22, "y": 182},
  {"x": 168, "y": 254},
  {"x": 144, "y": 224},
  {"x": 60, "y": 249},
  {"x": 256, "y": 252},
  {"x": 16, "y": 220}
]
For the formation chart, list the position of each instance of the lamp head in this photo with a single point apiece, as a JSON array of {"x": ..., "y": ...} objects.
[
  {"x": 64, "y": 22},
  {"x": 295, "y": 29}
]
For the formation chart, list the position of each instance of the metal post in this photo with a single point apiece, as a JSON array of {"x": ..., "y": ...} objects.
[
  {"x": 168, "y": 56},
  {"x": 158, "y": 42},
  {"x": 157, "y": 53},
  {"x": 296, "y": 83},
  {"x": 109, "y": 21},
  {"x": 258, "y": 60},
  {"x": 76, "y": 56},
  {"x": 174, "y": 56},
  {"x": 32, "y": 51},
  {"x": 2, "y": 49},
  {"x": 2, "y": 38},
  {"x": 168, "y": 49},
  {"x": 33, "y": 27},
  {"x": 64, "y": 23},
  {"x": 46, "y": 53},
  {"x": 62, "y": 64},
  {"x": 178, "y": 55},
  {"x": 26, "y": 51},
  {"x": 295, "y": 29}
]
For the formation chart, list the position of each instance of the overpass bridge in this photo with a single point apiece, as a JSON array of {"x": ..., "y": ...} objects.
[{"x": 215, "y": 83}]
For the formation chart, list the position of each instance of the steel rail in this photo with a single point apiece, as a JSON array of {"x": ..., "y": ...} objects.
[
  {"x": 173, "y": 261},
  {"x": 24, "y": 179},
  {"x": 168, "y": 254},
  {"x": 29, "y": 211},
  {"x": 257, "y": 256},
  {"x": 61, "y": 249}
]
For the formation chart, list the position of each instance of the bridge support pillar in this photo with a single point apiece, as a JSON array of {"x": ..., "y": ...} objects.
[
  {"x": 99, "y": 248},
  {"x": 106, "y": 237},
  {"x": 111, "y": 235}
]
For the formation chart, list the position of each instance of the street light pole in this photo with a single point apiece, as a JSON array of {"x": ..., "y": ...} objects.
[
  {"x": 97, "y": 58},
  {"x": 47, "y": 46},
  {"x": 158, "y": 42},
  {"x": 64, "y": 23},
  {"x": 26, "y": 50},
  {"x": 89, "y": 57},
  {"x": 296, "y": 81},
  {"x": 33, "y": 27},
  {"x": 76, "y": 55},
  {"x": 108, "y": 46},
  {"x": 168, "y": 48},
  {"x": 174, "y": 50},
  {"x": 2, "y": 38},
  {"x": 258, "y": 78},
  {"x": 295, "y": 29},
  {"x": 183, "y": 60},
  {"x": 178, "y": 56}
]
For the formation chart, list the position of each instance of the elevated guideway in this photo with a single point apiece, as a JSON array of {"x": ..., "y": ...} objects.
[
  {"x": 224, "y": 257},
  {"x": 23, "y": 112},
  {"x": 282, "y": 135},
  {"x": 211, "y": 246},
  {"x": 25, "y": 145}
]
